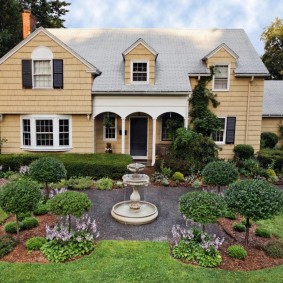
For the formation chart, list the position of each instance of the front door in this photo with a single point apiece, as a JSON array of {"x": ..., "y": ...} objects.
[{"x": 138, "y": 137}]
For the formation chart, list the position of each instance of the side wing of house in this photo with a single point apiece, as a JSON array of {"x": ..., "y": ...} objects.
[
  {"x": 240, "y": 100},
  {"x": 45, "y": 98}
]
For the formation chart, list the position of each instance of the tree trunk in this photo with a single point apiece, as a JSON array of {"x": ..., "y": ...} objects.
[
  {"x": 18, "y": 228},
  {"x": 47, "y": 191},
  {"x": 69, "y": 218},
  {"x": 218, "y": 189},
  {"x": 247, "y": 231},
  {"x": 203, "y": 228}
]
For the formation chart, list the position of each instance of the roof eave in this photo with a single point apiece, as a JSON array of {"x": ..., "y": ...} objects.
[{"x": 252, "y": 74}]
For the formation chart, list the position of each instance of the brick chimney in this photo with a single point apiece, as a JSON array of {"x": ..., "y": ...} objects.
[{"x": 29, "y": 23}]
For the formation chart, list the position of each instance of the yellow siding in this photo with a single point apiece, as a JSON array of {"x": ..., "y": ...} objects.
[
  {"x": 74, "y": 98},
  {"x": 271, "y": 124},
  {"x": 234, "y": 102},
  {"x": 140, "y": 53}
]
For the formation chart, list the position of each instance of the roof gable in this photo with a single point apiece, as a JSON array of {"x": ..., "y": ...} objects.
[
  {"x": 135, "y": 44},
  {"x": 218, "y": 48},
  {"x": 92, "y": 68}
]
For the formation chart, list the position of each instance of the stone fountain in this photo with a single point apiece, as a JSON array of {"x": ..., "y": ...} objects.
[{"x": 135, "y": 211}]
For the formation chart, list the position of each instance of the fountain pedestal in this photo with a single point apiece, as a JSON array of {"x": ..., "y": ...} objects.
[{"x": 135, "y": 211}]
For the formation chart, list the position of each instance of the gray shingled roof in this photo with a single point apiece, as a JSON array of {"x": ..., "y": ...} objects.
[
  {"x": 273, "y": 98},
  {"x": 180, "y": 53}
]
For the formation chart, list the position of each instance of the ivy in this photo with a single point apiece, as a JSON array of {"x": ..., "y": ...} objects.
[{"x": 203, "y": 119}]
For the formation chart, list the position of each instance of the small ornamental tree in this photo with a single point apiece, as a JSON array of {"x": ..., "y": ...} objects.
[
  {"x": 20, "y": 197},
  {"x": 220, "y": 173},
  {"x": 47, "y": 170},
  {"x": 202, "y": 207},
  {"x": 70, "y": 204},
  {"x": 254, "y": 199}
]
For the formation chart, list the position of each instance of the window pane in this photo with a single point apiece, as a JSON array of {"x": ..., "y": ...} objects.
[
  {"x": 221, "y": 77},
  {"x": 64, "y": 132},
  {"x": 26, "y": 132},
  {"x": 42, "y": 73},
  {"x": 221, "y": 72},
  {"x": 44, "y": 132},
  {"x": 139, "y": 72},
  {"x": 109, "y": 127},
  {"x": 219, "y": 136}
]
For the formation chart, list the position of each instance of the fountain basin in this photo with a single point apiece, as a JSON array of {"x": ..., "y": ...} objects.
[{"x": 123, "y": 213}]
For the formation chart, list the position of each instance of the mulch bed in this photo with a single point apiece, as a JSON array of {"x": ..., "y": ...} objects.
[
  {"x": 20, "y": 253},
  {"x": 256, "y": 258}
]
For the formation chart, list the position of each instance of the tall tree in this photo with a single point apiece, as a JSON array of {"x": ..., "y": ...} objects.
[
  {"x": 10, "y": 25},
  {"x": 273, "y": 56},
  {"x": 49, "y": 13}
]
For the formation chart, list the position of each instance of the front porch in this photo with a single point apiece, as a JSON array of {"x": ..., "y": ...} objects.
[{"x": 136, "y": 125}]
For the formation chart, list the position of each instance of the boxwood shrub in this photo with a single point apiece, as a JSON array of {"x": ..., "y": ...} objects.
[
  {"x": 237, "y": 251},
  {"x": 243, "y": 151},
  {"x": 261, "y": 232},
  {"x": 35, "y": 243},
  {"x": 239, "y": 227},
  {"x": 30, "y": 222},
  {"x": 96, "y": 165},
  {"x": 11, "y": 227},
  {"x": 267, "y": 157}
]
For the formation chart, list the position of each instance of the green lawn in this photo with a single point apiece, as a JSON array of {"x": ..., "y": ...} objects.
[
  {"x": 129, "y": 261},
  {"x": 274, "y": 225}
]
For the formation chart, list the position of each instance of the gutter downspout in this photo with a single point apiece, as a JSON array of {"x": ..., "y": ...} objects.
[{"x": 248, "y": 110}]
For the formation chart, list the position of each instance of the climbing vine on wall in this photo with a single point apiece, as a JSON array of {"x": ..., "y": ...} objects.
[{"x": 203, "y": 119}]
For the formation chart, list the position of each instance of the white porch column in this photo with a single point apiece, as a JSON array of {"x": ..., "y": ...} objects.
[
  {"x": 153, "y": 140},
  {"x": 123, "y": 135},
  {"x": 186, "y": 122}
]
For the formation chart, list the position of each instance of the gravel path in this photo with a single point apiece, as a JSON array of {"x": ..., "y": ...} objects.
[{"x": 166, "y": 200}]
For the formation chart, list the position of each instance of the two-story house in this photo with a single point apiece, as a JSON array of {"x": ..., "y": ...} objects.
[{"x": 75, "y": 90}]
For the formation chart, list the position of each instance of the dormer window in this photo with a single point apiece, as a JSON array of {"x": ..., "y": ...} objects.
[
  {"x": 140, "y": 72},
  {"x": 221, "y": 78}
]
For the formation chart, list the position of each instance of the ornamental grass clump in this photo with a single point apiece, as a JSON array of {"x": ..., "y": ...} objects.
[
  {"x": 195, "y": 246},
  {"x": 255, "y": 200},
  {"x": 237, "y": 251}
]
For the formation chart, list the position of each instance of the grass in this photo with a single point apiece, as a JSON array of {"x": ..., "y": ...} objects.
[
  {"x": 129, "y": 261},
  {"x": 274, "y": 225},
  {"x": 3, "y": 216}
]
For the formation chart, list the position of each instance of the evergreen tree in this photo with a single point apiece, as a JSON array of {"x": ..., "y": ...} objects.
[
  {"x": 10, "y": 25},
  {"x": 273, "y": 56},
  {"x": 49, "y": 13}
]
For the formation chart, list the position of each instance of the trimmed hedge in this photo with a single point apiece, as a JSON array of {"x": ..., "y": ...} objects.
[
  {"x": 268, "y": 156},
  {"x": 96, "y": 165},
  {"x": 243, "y": 151}
]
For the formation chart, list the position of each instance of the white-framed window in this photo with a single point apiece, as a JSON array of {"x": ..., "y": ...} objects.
[
  {"x": 140, "y": 72},
  {"x": 46, "y": 132},
  {"x": 42, "y": 74},
  {"x": 170, "y": 122},
  {"x": 221, "y": 77},
  {"x": 109, "y": 127},
  {"x": 220, "y": 136}
]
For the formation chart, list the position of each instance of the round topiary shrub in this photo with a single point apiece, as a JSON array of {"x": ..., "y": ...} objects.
[
  {"x": 35, "y": 243},
  {"x": 41, "y": 209},
  {"x": 11, "y": 227},
  {"x": 178, "y": 176},
  {"x": 243, "y": 151},
  {"x": 70, "y": 204},
  {"x": 230, "y": 215},
  {"x": 47, "y": 170},
  {"x": 239, "y": 227},
  {"x": 261, "y": 232},
  {"x": 19, "y": 197},
  {"x": 202, "y": 207},
  {"x": 237, "y": 251},
  {"x": 7, "y": 243},
  {"x": 274, "y": 249},
  {"x": 220, "y": 173},
  {"x": 22, "y": 216},
  {"x": 104, "y": 184},
  {"x": 268, "y": 140},
  {"x": 30, "y": 222}
]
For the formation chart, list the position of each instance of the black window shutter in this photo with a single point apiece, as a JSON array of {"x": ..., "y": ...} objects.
[
  {"x": 57, "y": 73},
  {"x": 26, "y": 74},
  {"x": 230, "y": 130}
]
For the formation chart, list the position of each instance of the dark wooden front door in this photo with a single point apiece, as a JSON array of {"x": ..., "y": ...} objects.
[{"x": 138, "y": 138}]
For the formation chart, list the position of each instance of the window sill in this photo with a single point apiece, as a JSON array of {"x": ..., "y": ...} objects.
[
  {"x": 220, "y": 143},
  {"x": 51, "y": 148},
  {"x": 221, "y": 90}
]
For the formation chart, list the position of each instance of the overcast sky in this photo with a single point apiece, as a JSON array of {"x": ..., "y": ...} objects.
[{"x": 251, "y": 15}]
